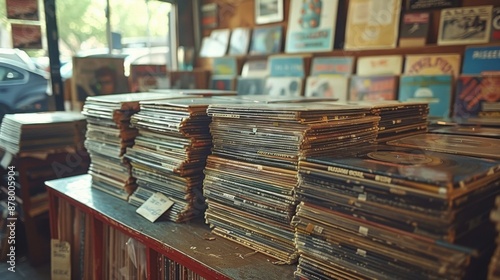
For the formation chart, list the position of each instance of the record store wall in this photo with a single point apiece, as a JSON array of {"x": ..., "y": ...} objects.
[{"x": 241, "y": 13}]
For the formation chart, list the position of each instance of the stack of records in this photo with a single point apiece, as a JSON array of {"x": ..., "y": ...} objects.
[
  {"x": 170, "y": 154},
  {"x": 494, "y": 268},
  {"x": 393, "y": 212},
  {"x": 36, "y": 132},
  {"x": 252, "y": 173},
  {"x": 108, "y": 135},
  {"x": 399, "y": 119}
]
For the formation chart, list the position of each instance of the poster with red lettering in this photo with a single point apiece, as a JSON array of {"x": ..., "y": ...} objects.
[
  {"x": 379, "y": 65},
  {"x": 373, "y": 88},
  {"x": 433, "y": 64}
]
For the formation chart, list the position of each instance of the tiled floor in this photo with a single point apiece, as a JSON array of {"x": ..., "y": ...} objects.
[{"x": 24, "y": 271}]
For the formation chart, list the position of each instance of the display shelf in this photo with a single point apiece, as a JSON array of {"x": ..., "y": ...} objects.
[{"x": 186, "y": 244}]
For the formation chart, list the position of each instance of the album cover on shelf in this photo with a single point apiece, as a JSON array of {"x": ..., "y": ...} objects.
[
  {"x": 379, "y": 65},
  {"x": 311, "y": 26},
  {"x": 465, "y": 25},
  {"x": 414, "y": 29},
  {"x": 144, "y": 77},
  {"x": 255, "y": 68},
  {"x": 196, "y": 79},
  {"x": 266, "y": 40},
  {"x": 209, "y": 15},
  {"x": 495, "y": 25},
  {"x": 251, "y": 86},
  {"x": 95, "y": 76},
  {"x": 334, "y": 86},
  {"x": 284, "y": 86},
  {"x": 383, "y": 87},
  {"x": 425, "y": 4},
  {"x": 477, "y": 99},
  {"x": 342, "y": 65},
  {"x": 216, "y": 44},
  {"x": 226, "y": 65},
  {"x": 433, "y": 64},
  {"x": 478, "y": 59},
  {"x": 240, "y": 41},
  {"x": 372, "y": 24},
  {"x": 288, "y": 65},
  {"x": 433, "y": 89},
  {"x": 221, "y": 82}
]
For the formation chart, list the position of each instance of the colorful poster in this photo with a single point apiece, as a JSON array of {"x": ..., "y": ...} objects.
[
  {"x": 311, "y": 25},
  {"x": 22, "y": 9},
  {"x": 26, "y": 36},
  {"x": 429, "y": 64}
]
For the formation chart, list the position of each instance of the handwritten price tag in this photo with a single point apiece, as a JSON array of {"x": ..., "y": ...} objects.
[
  {"x": 60, "y": 260},
  {"x": 155, "y": 206}
]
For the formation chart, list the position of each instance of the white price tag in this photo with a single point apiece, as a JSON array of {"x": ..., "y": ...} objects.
[
  {"x": 154, "y": 207},
  {"x": 60, "y": 259}
]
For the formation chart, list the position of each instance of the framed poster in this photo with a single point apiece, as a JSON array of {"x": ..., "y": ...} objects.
[
  {"x": 267, "y": 11},
  {"x": 26, "y": 36},
  {"x": 22, "y": 9}
]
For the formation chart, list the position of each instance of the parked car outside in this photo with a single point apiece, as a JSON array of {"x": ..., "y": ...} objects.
[{"x": 22, "y": 89}]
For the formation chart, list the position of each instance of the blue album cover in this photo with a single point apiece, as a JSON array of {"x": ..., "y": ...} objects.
[
  {"x": 434, "y": 89},
  {"x": 266, "y": 40},
  {"x": 251, "y": 86},
  {"x": 287, "y": 66},
  {"x": 481, "y": 59},
  {"x": 332, "y": 65}
]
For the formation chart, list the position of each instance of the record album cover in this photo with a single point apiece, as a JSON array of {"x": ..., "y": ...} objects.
[
  {"x": 221, "y": 82},
  {"x": 414, "y": 29},
  {"x": 373, "y": 88},
  {"x": 342, "y": 65},
  {"x": 144, "y": 77},
  {"x": 430, "y": 4},
  {"x": 240, "y": 41},
  {"x": 333, "y": 86},
  {"x": 495, "y": 25},
  {"x": 311, "y": 26},
  {"x": 431, "y": 64},
  {"x": 481, "y": 59},
  {"x": 226, "y": 65},
  {"x": 465, "y": 25},
  {"x": 94, "y": 76},
  {"x": 372, "y": 24},
  {"x": 255, "y": 68},
  {"x": 251, "y": 86},
  {"x": 216, "y": 44},
  {"x": 266, "y": 40},
  {"x": 433, "y": 89},
  {"x": 287, "y": 66},
  {"x": 379, "y": 65},
  {"x": 284, "y": 86},
  {"x": 478, "y": 98}
]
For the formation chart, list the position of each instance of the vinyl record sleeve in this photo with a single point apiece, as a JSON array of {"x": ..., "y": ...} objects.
[{"x": 460, "y": 145}]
